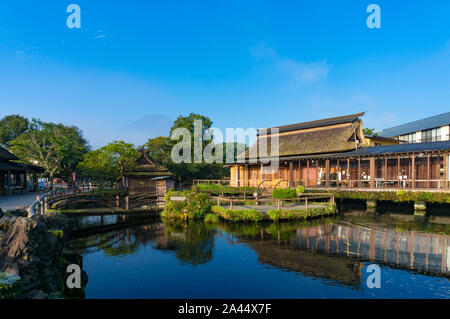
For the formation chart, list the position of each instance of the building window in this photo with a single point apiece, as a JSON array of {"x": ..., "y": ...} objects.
[
  {"x": 408, "y": 138},
  {"x": 432, "y": 135}
]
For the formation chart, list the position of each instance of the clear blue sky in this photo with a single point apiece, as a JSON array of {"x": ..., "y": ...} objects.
[{"x": 242, "y": 63}]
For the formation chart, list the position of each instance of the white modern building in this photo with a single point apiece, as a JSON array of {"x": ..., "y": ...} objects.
[{"x": 431, "y": 129}]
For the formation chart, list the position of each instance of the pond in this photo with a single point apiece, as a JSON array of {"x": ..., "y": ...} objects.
[{"x": 325, "y": 258}]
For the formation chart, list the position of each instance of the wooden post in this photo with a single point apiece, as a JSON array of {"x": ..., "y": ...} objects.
[
  {"x": 8, "y": 177},
  {"x": 446, "y": 170},
  {"x": 300, "y": 171},
  {"x": 385, "y": 171},
  {"x": 117, "y": 201},
  {"x": 291, "y": 173},
  {"x": 413, "y": 171},
  {"x": 327, "y": 173},
  {"x": 359, "y": 172},
  {"x": 127, "y": 203},
  {"x": 348, "y": 172},
  {"x": 398, "y": 171},
  {"x": 317, "y": 173},
  {"x": 372, "y": 172},
  {"x": 306, "y": 202},
  {"x": 238, "y": 177},
  {"x": 278, "y": 204},
  {"x": 428, "y": 171},
  {"x": 338, "y": 170},
  {"x": 307, "y": 172}
]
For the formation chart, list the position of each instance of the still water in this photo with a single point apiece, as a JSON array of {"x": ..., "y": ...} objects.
[{"x": 327, "y": 258}]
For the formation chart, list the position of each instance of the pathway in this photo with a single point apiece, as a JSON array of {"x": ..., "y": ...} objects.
[{"x": 18, "y": 201}]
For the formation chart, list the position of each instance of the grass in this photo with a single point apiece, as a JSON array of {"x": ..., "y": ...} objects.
[
  {"x": 238, "y": 215},
  {"x": 211, "y": 218}
]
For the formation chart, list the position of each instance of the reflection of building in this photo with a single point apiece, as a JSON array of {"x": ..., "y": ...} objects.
[
  {"x": 343, "y": 270},
  {"x": 430, "y": 129},
  {"x": 334, "y": 152},
  {"x": 16, "y": 177},
  {"x": 148, "y": 177},
  {"x": 427, "y": 252}
]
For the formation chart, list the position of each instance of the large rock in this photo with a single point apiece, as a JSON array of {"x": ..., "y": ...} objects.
[
  {"x": 7, "y": 221},
  {"x": 31, "y": 251}
]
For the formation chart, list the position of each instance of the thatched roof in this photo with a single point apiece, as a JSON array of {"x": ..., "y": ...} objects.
[
  {"x": 5, "y": 155},
  {"x": 318, "y": 123},
  {"x": 323, "y": 139},
  {"x": 146, "y": 166}
]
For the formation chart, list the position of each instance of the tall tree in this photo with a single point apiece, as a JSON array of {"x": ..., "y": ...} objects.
[
  {"x": 159, "y": 149},
  {"x": 11, "y": 126},
  {"x": 109, "y": 162},
  {"x": 56, "y": 147}
]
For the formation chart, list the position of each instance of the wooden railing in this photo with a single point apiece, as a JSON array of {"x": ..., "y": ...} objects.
[{"x": 211, "y": 181}]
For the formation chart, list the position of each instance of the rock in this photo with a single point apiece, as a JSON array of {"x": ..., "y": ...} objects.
[
  {"x": 37, "y": 294},
  {"x": 30, "y": 250},
  {"x": 18, "y": 212},
  {"x": 7, "y": 221}
]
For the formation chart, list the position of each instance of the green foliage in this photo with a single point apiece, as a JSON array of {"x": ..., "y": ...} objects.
[
  {"x": 236, "y": 215},
  {"x": 159, "y": 149},
  {"x": 211, "y": 218},
  {"x": 216, "y": 189},
  {"x": 284, "y": 193},
  {"x": 113, "y": 192},
  {"x": 300, "y": 214},
  {"x": 10, "y": 286},
  {"x": 11, "y": 127},
  {"x": 196, "y": 205},
  {"x": 399, "y": 196},
  {"x": 300, "y": 189},
  {"x": 370, "y": 131},
  {"x": 58, "y": 233},
  {"x": 55, "y": 147},
  {"x": 109, "y": 162}
]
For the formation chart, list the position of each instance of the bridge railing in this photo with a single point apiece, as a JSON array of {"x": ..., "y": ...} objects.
[{"x": 42, "y": 202}]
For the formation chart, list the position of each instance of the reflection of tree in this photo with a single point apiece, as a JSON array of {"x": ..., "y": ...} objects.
[{"x": 193, "y": 243}]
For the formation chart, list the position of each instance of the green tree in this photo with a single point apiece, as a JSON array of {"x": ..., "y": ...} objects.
[
  {"x": 109, "y": 162},
  {"x": 187, "y": 172},
  {"x": 55, "y": 147},
  {"x": 370, "y": 132},
  {"x": 159, "y": 149},
  {"x": 11, "y": 126}
]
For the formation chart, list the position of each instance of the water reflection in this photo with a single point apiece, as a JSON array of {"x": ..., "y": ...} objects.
[{"x": 335, "y": 250}]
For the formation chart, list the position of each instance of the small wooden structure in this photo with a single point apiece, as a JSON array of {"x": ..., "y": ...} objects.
[
  {"x": 16, "y": 177},
  {"x": 148, "y": 177}
]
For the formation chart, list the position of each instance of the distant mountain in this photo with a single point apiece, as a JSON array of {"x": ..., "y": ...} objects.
[{"x": 149, "y": 126}]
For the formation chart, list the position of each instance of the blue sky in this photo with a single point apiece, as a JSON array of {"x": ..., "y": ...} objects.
[{"x": 242, "y": 63}]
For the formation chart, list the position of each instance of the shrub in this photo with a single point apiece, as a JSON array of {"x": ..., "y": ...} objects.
[
  {"x": 211, "y": 218},
  {"x": 196, "y": 205},
  {"x": 236, "y": 215},
  {"x": 300, "y": 189},
  {"x": 217, "y": 189},
  {"x": 283, "y": 193}
]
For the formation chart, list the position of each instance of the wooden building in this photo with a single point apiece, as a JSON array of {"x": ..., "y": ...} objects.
[
  {"x": 148, "y": 177},
  {"x": 334, "y": 152},
  {"x": 16, "y": 177}
]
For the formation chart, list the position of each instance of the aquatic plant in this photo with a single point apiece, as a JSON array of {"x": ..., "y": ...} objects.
[
  {"x": 211, "y": 218},
  {"x": 284, "y": 193}
]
